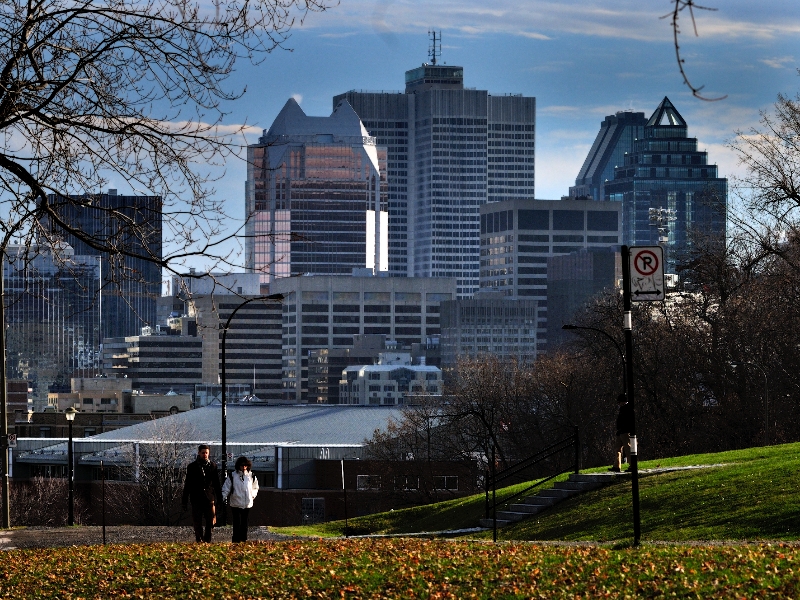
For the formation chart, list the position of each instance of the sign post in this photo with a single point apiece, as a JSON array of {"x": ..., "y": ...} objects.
[{"x": 642, "y": 281}]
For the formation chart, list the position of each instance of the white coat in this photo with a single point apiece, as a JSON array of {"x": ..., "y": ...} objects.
[{"x": 242, "y": 487}]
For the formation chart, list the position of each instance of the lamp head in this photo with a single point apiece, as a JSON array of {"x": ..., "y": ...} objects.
[{"x": 70, "y": 413}]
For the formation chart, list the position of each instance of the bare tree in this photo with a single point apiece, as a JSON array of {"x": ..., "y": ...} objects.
[
  {"x": 157, "y": 468},
  {"x": 134, "y": 90}
]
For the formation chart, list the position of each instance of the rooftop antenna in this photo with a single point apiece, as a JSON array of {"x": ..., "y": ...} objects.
[{"x": 435, "y": 50}]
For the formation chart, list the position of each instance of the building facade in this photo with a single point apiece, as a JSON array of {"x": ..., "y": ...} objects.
[
  {"x": 518, "y": 237},
  {"x": 131, "y": 284},
  {"x": 52, "y": 317},
  {"x": 326, "y": 312},
  {"x": 451, "y": 149},
  {"x": 315, "y": 197},
  {"x": 157, "y": 363},
  {"x": 667, "y": 189},
  {"x": 394, "y": 380},
  {"x": 489, "y": 323},
  {"x": 615, "y": 139}
]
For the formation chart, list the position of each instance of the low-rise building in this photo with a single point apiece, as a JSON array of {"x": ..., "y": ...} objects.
[
  {"x": 114, "y": 395},
  {"x": 393, "y": 381}
]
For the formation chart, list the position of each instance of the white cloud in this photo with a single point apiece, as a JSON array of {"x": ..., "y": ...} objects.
[
  {"x": 298, "y": 98},
  {"x": 784, "y": 62}
]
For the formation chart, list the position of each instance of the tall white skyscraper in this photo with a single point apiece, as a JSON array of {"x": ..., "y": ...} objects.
[{"x": 450, "y": 150}]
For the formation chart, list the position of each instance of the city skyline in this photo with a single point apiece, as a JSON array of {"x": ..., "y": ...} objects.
[{"x": 581, "y": 61}]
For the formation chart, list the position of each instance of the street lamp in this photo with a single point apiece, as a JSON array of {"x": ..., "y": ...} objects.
[
  {"x": 223, "y": 382},
  {"x": 736, "y": 363},
  {"x": 70, "y": 414},
  {"x": 613, "y": 341}
]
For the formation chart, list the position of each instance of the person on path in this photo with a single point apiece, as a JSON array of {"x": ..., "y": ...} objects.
[
  {"x": 203, "y": 488},
  {"x": 240, "y": 489},
  {"x": 622, "y": 444}
]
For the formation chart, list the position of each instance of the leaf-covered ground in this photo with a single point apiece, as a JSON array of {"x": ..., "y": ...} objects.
[{"x": 368, "y": 568}]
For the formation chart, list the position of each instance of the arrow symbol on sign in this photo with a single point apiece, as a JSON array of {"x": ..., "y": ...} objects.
[{"x": 646, "y": 293}]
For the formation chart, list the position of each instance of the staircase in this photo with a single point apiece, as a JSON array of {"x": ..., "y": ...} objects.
[{"x": 527, "y": 507}]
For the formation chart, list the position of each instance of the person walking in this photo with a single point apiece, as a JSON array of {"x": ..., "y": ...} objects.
[
  {"x": 240, "y": 489},
  {"x": 622, "y": 444},
  {"x": 203, "y": 488}
]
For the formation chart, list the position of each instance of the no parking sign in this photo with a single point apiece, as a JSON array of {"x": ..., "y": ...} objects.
[{"x": 647, "y": 273}]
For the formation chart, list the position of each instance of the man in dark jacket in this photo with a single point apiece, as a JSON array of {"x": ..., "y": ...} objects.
[
  {"x": 622, "y": 444},
  {"x": 203, "y": 487}
]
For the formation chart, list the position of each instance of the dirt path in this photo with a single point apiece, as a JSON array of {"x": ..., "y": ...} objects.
[{"x": 52, "y": 537}]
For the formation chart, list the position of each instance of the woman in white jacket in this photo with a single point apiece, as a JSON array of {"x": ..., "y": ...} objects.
[{"x": 240, "y": 489}]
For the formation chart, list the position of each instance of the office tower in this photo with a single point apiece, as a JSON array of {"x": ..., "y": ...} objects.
[
  {"x": 131, "y": 286},
  {"x": 572, "y": 280},
  {"x": 451, "y": 149},
  {"x": 615, "y": 139},
  {"x": 315, "y": 196},
  {"x": 52, "y": 317},
  {"x": 488, "y": 323},
  {"x": 326, "y": 312},
  {"x": 518, "y": 236},
  {"x": 667, "y": 189}
]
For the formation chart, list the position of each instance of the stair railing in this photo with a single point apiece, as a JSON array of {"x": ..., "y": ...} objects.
[{"x": 492, "y": 478}]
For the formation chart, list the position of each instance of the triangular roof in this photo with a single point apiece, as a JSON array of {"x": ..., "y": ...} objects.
[
  {"x": 293, "y": 121},
  {"x": 666, "y": 115}
]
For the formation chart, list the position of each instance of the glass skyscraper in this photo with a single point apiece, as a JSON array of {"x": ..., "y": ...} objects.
[
  {"x": 450, "y": 150},
  {"x": 316, "y": 197},
  {"x": 667, "y": 188},
  {"x": 131, "y": 285},
  {"x": 615, "y": 139}
]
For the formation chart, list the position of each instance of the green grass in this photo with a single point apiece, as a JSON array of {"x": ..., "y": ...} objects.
[
  {"x": 460, "y": 513},
  {"x": 753, "y": 495},
  {"x": 400, "y": 568}
]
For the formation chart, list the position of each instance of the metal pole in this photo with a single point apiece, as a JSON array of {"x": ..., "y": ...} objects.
[
  {"x": 344, "y": 490},
  {"x": 494, "y": 500},
  {"x": 70, "y": 474},
  {"x": 766, "y": 409},
  {"x": 6, "y": 500},
  {"x": 577, "y": 450},
  {"x": 627, "y": 325},
  {"x": 103, "y": 480}
]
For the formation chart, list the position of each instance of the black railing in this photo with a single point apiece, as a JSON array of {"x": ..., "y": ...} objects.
[{"x": 514, "y": 471}]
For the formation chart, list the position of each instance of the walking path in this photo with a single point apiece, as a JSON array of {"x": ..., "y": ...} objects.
[{"x": 90, "y": 535}]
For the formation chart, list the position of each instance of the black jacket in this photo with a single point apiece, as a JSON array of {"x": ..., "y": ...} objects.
[
  {"x": 625, "y": 419},
  {"x": 202, "y": 483}
]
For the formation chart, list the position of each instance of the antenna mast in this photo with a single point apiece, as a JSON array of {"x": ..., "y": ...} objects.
[{"x": 435, "y": 50}]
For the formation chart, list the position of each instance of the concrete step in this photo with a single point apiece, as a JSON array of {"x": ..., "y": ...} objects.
[
  {"x": 601, "y": 478},
  {"x": 557, "y": 493},
  {"x": 511, "y": 516},
  {"x": 540, "y": 500},
  {"x": 579, "y": 486},
  {"x": 530, "y": 509},
  {"x": 489, "y": 524}
]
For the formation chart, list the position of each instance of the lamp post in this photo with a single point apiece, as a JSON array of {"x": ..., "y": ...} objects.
[
  {"x": 613, "y": 341},
  {"x": 223, "y": 382},
  {"x": 70, "y": 414},
  {"x": 736, "y": 363}
]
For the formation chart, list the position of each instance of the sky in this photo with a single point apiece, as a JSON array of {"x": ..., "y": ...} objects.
[{"x": 581, "y": 59}]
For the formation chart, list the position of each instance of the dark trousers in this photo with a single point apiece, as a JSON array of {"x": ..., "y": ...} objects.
[
  {"x": 202, "y": 510},
  {"x": 239, "y": 518}
]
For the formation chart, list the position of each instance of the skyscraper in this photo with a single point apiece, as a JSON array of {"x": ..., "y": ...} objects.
[
  {"x": 52, "y": 317},
  {"x": 316, "y": 196},
  {"x": 667, "y": 188},
  {"x": 615, "y": 139},
  {"x": 129, "y": 224},
  {"x": 450, "y": 150}
]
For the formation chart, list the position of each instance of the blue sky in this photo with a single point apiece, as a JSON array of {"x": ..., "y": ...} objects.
[{"x": 582, "y": 60}]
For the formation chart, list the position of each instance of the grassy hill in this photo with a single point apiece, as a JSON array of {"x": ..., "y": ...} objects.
[{"x": 751, "y": 494}]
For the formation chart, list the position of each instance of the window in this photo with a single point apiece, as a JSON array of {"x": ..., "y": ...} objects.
[
  {"x": 571, "y": 220},
  {"x": 88, "y": 401},
  {"x": 313, "y": 510},
  {"x": 533, "y": 219},
  {"x": 601, "y": 220},
  {"x": 445, "y": 482},
  {"x": 368, "y": 482},
  {"x": 406, "y": 482}
]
